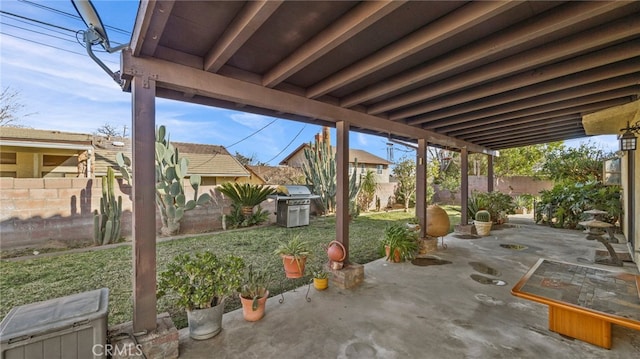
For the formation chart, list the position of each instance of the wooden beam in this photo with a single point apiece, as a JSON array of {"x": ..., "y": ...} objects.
[
  {"x": 144, "y": 204},
  {"x": 161, "y": 12},
  {"x": 537, "y": 141},
  {"x": 342, "y": 186},
  {"x": 349, "y": 25},
  {"x": 585, "y": 41},
  {"x": 541, "y": 127},
  {"x": 435, "y": 32},
  {"x": 551, "y": 107},
  {"x": 421, "y": 186},
  {"x": 244, "y": 25},
  {"x": 560, "y": 135},
  {"x": 528, "y": 104},
  {"x": 495, "y": 93},
  {"x": 535, "y": 132},
  {"x": 202, "y": 83}
]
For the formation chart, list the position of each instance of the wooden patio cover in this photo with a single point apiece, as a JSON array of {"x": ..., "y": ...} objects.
[{"x": 472, "y": 76}]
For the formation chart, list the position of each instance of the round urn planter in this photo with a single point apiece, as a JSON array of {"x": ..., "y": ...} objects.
[
  {"x": 293, "y": 268},
  {"x": 482, "y": 228},
  {"x": 205, "y": 323},
  {"x": 250, "y": 313},
  {"x": 437, "y": 221}
]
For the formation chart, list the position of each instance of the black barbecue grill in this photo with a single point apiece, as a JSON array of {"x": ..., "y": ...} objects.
[{"x": 293, "y": 203}]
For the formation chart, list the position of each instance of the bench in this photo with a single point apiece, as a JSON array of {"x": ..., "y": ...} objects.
[{"x": 583, "y": 301}]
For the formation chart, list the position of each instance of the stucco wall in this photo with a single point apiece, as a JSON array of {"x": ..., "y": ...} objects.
[{"x": 514, "y": 186}]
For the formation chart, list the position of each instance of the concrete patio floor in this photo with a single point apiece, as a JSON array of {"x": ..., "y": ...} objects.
[{"x": 408, "y": 311}]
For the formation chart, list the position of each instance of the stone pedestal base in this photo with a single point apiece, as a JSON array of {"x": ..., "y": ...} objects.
[
  {"x": 348, "y": 277},
  {"x": 159, "y": 344}
]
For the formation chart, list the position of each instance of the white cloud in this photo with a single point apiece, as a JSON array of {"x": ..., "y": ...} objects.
[{"x": 251, "y": 120}]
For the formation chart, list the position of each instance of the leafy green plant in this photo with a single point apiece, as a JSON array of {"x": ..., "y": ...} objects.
[
  {"x": 564, "y": 204},
  {"x": 254, "y": 285},
  {"x": 498, "y": 204},
  {"x": 320, "y": 273},
  {"x": 524, "y": 201},
  {"x": 246, "y": 195},
  {"x": 237, "y": 218},
  {"x": 295, "y": 247},
  {"x": 201, "y": 281},
  {"x": 106, "y": 223},
  {"x": 399, "y": 238}
]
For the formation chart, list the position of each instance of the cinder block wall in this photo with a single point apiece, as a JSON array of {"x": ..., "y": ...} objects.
[
  {"x": 513, "y": 186},
  {"x": 36, "y": 210}
]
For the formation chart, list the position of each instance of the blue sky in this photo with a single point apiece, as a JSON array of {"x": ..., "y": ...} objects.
[{"x": 63, "y": 89}]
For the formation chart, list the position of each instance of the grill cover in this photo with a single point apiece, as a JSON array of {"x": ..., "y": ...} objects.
[{"x": 294, "y": 191}]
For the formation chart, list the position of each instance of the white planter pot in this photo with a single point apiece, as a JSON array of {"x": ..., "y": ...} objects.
[
  {"x": 205, "y": 323},
  {"x": 482, "y": 228}
]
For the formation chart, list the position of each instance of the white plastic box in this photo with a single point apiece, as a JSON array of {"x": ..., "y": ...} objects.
[{"x": 72, "y": 327}]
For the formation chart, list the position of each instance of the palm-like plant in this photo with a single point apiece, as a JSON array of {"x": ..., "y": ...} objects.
[{"x": 246, "y": 196}]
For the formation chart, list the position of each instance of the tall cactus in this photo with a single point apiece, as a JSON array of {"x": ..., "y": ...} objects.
[
  {"x": 171, "y": 171},
  {"x": 106, "y": 224},
  {"x": 319, "y": 170}
]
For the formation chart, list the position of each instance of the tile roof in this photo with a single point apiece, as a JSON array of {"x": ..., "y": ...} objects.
[{"x": 362, "y": 156}]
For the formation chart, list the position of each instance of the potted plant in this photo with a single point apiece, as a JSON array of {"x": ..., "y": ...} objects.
[
  {"x": 400, "y": 243},
  {"x": 246, "y": 196},
  {"x": 294, "y": 255},
  {"x": 320, "y": 278},
  {"x": 254, "y": 294},
  {"x": 483, "y": 223},
  {"x": 202, "y": 282}
]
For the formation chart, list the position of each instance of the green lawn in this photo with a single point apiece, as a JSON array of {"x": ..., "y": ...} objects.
[{"x": 44, "y": 278}]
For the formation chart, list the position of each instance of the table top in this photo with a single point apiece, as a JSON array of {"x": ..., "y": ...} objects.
[{"x": 611, "y": 295}]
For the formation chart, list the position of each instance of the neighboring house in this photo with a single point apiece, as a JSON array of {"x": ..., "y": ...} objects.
[
  {"x": 279, "y": 175},
  {"x": 366, "y": 161},
  {"x": 28, "y": 153}
]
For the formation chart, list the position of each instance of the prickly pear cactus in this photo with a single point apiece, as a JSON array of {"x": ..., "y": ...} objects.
[
  {"x": 106, "y": 223},
  {"x": 171, "y": 171}
]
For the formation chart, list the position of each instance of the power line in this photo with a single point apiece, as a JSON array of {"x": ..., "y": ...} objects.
[
  {"x": 55, "y": 47},
  {"x": 40, "y": 26},
  {"x": 73, "y": 16},
  {"x": 37, "y": 32},
  {"x": 265, "y": 126},
  {"x": 287, "y": 146},
  {"x": 38, "y": 21}
]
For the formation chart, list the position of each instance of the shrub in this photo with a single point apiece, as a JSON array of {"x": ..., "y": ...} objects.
[
  {"x": 564, "y": 204},
  {"x": 498, "y": 204}
]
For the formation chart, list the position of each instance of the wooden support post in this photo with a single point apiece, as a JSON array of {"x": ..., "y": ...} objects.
[
  {"x": 342, "y": 190},
  {"x": 143, "y": 91},
  {"x": 464, "y": 185},
  {"x": 489, "y": 173},
  {"x": 421, "y": 186}
]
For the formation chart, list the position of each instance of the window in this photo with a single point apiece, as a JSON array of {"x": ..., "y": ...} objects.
[
  {"x": 362, "y": 169},
  {"x": 56, "y": 160},
  {"x": 379, "y": 169},
  {"x": 8, "y": 158}
]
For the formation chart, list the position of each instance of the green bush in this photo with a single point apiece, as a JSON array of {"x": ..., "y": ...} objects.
[
  {"x": 236, "y": 219},
  {"x": 498, "y": 204},
  {"x": 563, "y": 206}
]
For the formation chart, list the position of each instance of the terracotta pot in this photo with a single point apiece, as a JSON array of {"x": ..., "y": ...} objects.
[
  {"x": 293, "y": 268},
  {"x": 396, "y": 255},
  {"x": 336, "y": 251},
  {"x": 251, "y": 315},
  {"x": 437, "y": 221},
  {"x": 321, "y": 283}
]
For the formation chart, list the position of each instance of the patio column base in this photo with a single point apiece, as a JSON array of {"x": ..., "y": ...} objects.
[
  {"x": 348, "y": 277},
  {"x": 161, "y": 343}
]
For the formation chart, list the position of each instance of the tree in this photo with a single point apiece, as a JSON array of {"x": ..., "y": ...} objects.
[
  {"x": 248, "y": 160},
  {"x": 11, "y": 108},
  {"x": 523, "y": 161},
  {"x": 405, "y": 173},
  {"x": 108, "y": 130},
  {"x": 575, "y": 164},
  {"x": 368, "y": 187}
]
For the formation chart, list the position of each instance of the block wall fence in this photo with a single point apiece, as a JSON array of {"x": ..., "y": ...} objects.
[{"x": 34, "y": 211}]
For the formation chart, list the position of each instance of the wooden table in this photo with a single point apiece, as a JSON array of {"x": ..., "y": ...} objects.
[{"x": 583, "y": 301}]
